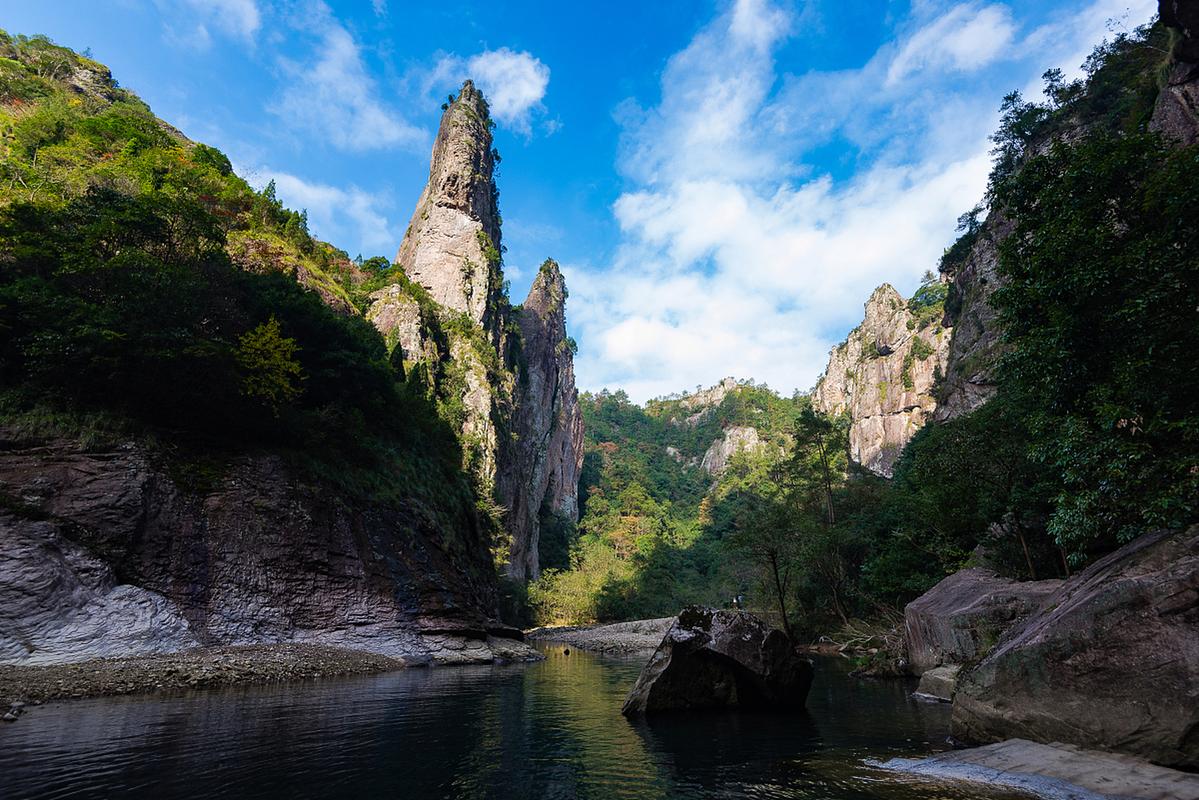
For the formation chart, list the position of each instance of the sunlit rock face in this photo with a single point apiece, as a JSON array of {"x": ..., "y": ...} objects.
[
  {"x": 511, "y": 371},
  {"x": 452, "y": 244},
  {"x": 882, "y": 376},
  {"x": 734, "y": 439}
]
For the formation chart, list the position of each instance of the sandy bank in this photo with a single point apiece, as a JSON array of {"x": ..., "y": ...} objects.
[
  {"x": 638, "y": 636},
  {"x": 1056, "y": 772}
]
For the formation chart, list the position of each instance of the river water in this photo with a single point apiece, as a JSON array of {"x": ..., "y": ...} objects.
[{"x": 547, "y": 730}]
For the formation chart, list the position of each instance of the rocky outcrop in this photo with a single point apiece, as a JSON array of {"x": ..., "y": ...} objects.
[
  {"x": 721, "y": 659},
  {"x": 1110, "y": 661},
  {"x": 452, "y": 245},
  {"x": 962, "y": 617},
  {"x": 882, "y": 376},
  {"x": 939, "y": 683},
  {"x": 1176, "y": 112},
  {"x": 735, "y": 439},
  {"x": 975, "y": 345},
  {"x": 507, "y": 374},
  {"x": 1056, "y": 770},
  {"x": 106, "y": 554},
  {"x": 540, "y": 474}
]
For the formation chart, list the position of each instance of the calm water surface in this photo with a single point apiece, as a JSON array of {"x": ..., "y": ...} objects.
[{"x": 546, "y": 730}]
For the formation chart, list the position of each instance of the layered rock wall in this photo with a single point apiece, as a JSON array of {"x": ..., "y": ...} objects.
[
  {"x": 882, "y": 376},
  {"x": 105, "y": 554}
]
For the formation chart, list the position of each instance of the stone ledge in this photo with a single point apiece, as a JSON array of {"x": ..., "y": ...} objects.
[{"x": 1056, "y": 772}]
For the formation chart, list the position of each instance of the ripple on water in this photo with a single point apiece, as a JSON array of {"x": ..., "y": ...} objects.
[{"x": 546, "y": 730}]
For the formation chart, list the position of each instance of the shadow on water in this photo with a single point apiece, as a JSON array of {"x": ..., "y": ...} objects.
[{"x": 546, "y": 730}]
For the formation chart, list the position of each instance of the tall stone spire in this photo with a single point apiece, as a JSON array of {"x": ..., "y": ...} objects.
[
  {"x": 541, "y": 476},
  {"x": 452, "y": 245}
]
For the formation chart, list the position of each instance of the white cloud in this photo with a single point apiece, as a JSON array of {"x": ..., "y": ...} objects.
[
  {"x": 738, "y": 259},
  {"x": 239, "y": 18},
  {"x": 337, "y": 214},
  {"x": 514, "y": 84},
  {"x": 966, "y": 38},
  {"x": 334, "y": 97}
]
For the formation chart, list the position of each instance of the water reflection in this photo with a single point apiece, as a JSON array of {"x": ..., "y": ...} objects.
[{"x": 548, "y": 730}]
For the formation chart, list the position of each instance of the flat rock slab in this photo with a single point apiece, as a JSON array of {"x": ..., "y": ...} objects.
[
  {"x": 638, "y": 636},
  {"x": 1057, "y": 771}
]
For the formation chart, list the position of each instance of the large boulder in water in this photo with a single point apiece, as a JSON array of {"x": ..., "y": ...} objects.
[
  {"x": 963, "y": 616},
  {"x": 721, "y": 659},
  {"x": 1110, "y": 662}
]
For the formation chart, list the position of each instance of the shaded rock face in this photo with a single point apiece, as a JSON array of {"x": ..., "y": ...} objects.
[
  {"x": 456, "y": 221},
  {"x": 1176, "y": 113},
  {"x": 105, "y": 555},
  {"x": 1110, "y": 661},
  {"x": 736, "y": 439},
  {"x": 974, "y": 348},
  {"x": 963, "y": 616},
  {"x": 882, "y": 376},
  {"x": 721, "y": 659},
  {"x": 540, "y": 470}
]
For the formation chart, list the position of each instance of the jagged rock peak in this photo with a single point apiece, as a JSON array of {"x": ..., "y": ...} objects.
[
  {"x": 539, "y": 477},
  {"x": 883, "y": 375},
  {"x": 548, "y": 292},
  {"x": 712, "y": 396},
  {"x": 452, "y": 245}
]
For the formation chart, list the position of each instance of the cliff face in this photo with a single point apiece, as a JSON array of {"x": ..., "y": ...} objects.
[
  {"x": 974, "y": 347},
  {"x": 1176, "y": 113},
  {"x": 452, "y": 245},
  {"x": 882, "y": 376},
  {"x": 107, "y": 554},
  {"x": 506, "y": 377},
  {"x": 977, "y": 338},
  {"x": 539, "y": 475}
]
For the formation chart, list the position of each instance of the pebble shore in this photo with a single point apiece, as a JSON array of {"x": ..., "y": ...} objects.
[{"x": 191, "y": 669}]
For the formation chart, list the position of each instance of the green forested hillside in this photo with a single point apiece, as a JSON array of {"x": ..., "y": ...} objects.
[
  {"x": 654, "y": 526},
  {"x": 1092, "y": 439},
  {"x": 145, "y": 288}
]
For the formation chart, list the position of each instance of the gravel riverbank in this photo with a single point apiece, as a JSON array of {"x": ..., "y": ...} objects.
[
  {"x": 638, "y": 636},
  {"x": 191, "y": 669}
]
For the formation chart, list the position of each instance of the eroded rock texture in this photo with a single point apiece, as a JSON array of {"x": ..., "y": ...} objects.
[
  {"x": 511, "y": 371},
  {"x": 452, "y": 245},
  {"x": 1110, "y": 661},
  {"x": 963, "y": 616},
  {"x": 1176, "y": 114},
  {"x": 721, "y": 659},
  {"x": 540, "y": 471},
  {"x": 734, "y": 439},
  {"x": 105, "y": 554},
  {"x": 974, "y": 348},
  {"x": 882, "y": 376}
]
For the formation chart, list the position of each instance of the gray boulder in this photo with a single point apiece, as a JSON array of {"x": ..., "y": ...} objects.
[
  {"x": 1110, "y": 662},
  {"x": 939, "y": 683},
  {"x": 963, "y": 616},
  {"x": 721, "y": 659}
]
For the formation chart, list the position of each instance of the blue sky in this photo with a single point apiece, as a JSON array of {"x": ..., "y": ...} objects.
[{"x": 724, "y": 182}]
